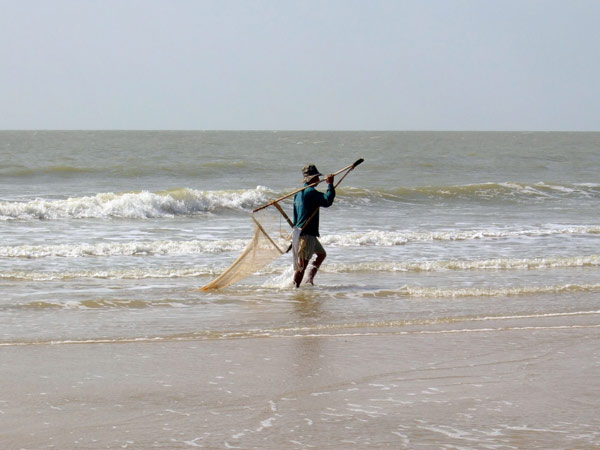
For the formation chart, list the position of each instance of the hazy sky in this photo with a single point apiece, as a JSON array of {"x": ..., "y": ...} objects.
[{"x": 300, "y": 64}]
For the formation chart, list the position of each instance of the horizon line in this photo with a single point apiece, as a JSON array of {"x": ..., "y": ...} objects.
[{"x": 283, "y": 130}]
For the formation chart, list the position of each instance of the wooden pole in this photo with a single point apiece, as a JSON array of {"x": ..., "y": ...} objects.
[{"x": 348, "y": 168}]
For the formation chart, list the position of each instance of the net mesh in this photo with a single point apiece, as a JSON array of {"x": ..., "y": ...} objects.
[{"x": 271, "y": 239}]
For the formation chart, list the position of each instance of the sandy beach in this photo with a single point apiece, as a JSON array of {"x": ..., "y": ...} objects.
[{"x": 521, "y": 385}]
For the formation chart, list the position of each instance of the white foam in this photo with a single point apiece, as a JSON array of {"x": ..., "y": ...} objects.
[
  {"x": 355, "y": 239},
  {"x": 484, "y": 264},
  {"x": 393, "y": 238},
  {"x": 122, "y": 248},
  {"x": 137, "y": 205},
  {"x": 125, "y": 274},
  {"x": 281, "y": 274},
  {"x": 418, "y": 291},
  {"x": 281, "y": 281}
]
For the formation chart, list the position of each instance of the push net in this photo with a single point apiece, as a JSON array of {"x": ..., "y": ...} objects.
[{"x": 271, "y": 239}]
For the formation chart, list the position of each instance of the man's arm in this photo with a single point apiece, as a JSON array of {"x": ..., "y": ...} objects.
[
  {"x": 327, "y": 197},
  {"x": 295, "y": 221}
]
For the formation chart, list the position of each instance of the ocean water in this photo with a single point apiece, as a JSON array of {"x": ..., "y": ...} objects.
[{"x": 108, "y": 236}]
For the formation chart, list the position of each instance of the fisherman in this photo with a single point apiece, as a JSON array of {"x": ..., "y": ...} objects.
[{"x": 306, "y": 224}]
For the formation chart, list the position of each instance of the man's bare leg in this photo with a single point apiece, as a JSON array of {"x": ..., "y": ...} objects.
[
  {"x": 300, "y": 273},
  {"x": 315, "y": 267}
]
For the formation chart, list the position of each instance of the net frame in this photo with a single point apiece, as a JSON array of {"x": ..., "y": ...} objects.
[{"x": 268, "y": 243}]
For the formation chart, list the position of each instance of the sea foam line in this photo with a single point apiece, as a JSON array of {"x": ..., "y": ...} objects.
[
  {"x": 426, "y": 266},
  {"x": 484, "y": 264},
  {"x": 422, "y": 322},
  {"x": 432, "y": 292},
  {"x": 191, "y": 338},
  {"x": 126, "y": 274},
  {"x": 394, "y": 238},
  {"x": 136, "y": 248},
  {"x": 356, "y": 239}
]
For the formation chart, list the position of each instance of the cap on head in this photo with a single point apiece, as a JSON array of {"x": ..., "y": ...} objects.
[{"x": 309, "y": 172}]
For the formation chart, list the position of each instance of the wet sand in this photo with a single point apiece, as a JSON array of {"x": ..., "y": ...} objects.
[{"x": 521, "y": 386}]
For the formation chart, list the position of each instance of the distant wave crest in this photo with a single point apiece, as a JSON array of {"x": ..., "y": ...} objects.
[{"x": 505, "y": 191}]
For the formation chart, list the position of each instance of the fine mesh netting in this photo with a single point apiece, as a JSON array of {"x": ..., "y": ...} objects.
[{"x": 271, "y": 239}]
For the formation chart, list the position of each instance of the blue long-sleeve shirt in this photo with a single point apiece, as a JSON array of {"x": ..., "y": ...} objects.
[{"x": 306, "y": 202}]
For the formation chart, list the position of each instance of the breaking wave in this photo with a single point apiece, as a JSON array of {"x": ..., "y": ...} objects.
[
  {"x": 185, "y": 201},
  {"x": 135, "y": 205}
]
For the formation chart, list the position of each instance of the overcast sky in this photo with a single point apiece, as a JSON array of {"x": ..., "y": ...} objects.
[{"x": 300, "y": 64}]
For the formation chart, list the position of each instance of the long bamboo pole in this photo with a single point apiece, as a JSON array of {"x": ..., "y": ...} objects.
[{"x": 272, "y": 202}]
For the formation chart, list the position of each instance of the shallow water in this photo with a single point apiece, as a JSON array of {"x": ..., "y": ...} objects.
[{"x": 123, "y": 227}]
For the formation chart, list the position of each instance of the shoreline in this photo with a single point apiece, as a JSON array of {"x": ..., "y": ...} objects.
[{"x": 526, "y": 387}]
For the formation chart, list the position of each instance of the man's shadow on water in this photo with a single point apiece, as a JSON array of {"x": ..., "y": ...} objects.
[
  {"x": 307, "y": 350},
  {"x": 307, "y": 304}
]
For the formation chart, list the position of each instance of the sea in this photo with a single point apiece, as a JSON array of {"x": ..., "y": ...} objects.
[{"x": 108, "y": 236}]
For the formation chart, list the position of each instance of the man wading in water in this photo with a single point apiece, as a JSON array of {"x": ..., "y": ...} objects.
[{"x": 306, "y": 224}]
